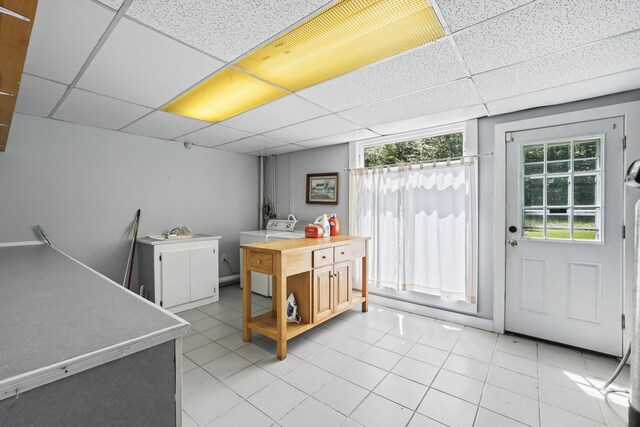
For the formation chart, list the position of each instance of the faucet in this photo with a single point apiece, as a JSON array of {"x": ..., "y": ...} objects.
[{"x": 172, "y": 233}]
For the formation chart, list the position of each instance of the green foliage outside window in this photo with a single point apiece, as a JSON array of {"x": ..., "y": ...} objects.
[{"x": 415, "y": 151}]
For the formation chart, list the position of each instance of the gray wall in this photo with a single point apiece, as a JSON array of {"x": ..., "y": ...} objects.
[
  {"x": 83, "y": 185},
  {"x": 336, "y": 157}
]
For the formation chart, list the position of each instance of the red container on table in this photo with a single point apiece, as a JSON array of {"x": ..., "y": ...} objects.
[
  {"x": 313, "y": 231},
  {"x": 335, "y": 225}
]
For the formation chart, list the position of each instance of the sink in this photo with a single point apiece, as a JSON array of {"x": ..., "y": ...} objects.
[{"x": 162, "y": 237}]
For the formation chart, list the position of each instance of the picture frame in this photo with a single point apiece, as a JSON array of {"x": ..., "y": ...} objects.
[{"x": 322, "y": 188}]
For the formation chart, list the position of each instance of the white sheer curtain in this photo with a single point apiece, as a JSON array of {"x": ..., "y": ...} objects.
[{"x": 422, "y": 223}]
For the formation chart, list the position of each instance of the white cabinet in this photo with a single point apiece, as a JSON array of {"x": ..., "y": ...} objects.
[{"x": 179, "y": 274}]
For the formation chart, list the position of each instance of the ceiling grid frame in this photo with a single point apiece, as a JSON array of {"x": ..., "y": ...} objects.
[
  {"x": 94, "y": 52},
  {"x": 449, "y": 34}
]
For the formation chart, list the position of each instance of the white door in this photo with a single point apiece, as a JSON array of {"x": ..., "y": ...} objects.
[
  {"x": 204, "y": 270},
  {"x": 175, "y": 278},
  {"x": 564, "y": 234}
]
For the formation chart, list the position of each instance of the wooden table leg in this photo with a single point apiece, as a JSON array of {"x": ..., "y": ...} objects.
[
  {"x": 365, "y": 303},
  {"x": 246, "y": 296},
  {"x": 281, "y": 307},
  {"x": 274, "y": 294}
]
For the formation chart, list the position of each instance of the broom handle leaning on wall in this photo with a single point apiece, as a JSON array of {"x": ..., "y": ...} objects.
[{"x": 129, "y": 270}]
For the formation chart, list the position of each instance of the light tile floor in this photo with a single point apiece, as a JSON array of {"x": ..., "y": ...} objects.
[{"x": 387, "y": 368}]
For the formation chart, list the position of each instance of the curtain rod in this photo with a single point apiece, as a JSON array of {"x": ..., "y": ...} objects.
[{"x": 424, "y": 163}]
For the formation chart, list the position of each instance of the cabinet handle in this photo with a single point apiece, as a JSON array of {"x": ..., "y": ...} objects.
[
  {"x": 324, "y": 257},
  {"x": 342, "y": 253},
  {"x": 259, "y": 261}
]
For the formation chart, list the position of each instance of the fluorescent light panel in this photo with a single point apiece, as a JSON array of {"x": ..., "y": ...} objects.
[
  {"x": 343, "y": 38},
  {"x": 349, "y": 35},
  {"x": 224, "y": 95}
]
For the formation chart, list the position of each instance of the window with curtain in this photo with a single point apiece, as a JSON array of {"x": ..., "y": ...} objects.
[{"x": 421, "y": 218}]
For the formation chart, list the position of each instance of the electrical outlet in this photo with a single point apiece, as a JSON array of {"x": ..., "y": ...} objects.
[{"x": 224, "y": 257}]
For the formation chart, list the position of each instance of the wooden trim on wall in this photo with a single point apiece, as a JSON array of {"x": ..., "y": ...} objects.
[{"x": 14, "y": 41}]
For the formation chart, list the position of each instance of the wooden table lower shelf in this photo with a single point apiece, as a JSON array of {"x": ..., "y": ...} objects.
[{"x": 266, "y": 323}]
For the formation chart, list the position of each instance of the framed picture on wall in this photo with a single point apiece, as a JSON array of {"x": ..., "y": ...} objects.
[{"x": 322, "y": 188}]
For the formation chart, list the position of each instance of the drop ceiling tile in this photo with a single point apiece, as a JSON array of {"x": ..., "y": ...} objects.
[
  {"x": 37, "y": 96},
  {"x": 282, "y": 112},
  {"x": 90, "y": 109},
  {"x": 429, "y": 121},
  {"x": 435, "y": 100},
  {"x": 316, "y": 128},
  {"x": 247, "y": 145},
  {"x": 460, "y": 14},
  {"x": 283, "y": 149},
  {"x": 355, "y": 135},
  {"x": 214, "y": 135},
  {"x": 609, "y": 56},
  {"x": 142, "y": 66},
  {"x": 542, "y": 28},
  {"x": 421, "y": 68},
  {"x": 113, "y": 4},
  {"x": 164, "y": 125},
  {"x": 225, "y": 29},
  {"x": 64, "y": 34},
  {"x": 585, "y": 89}
]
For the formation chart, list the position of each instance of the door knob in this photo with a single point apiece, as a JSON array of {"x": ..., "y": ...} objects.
[
  {"x": 513, "y": 229},
  {"x": 512, "y": 243}
]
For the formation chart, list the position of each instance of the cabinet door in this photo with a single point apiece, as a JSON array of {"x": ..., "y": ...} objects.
[
  {"x": 322, "y": 293},
  {"x": 342, "y": 285},
  {"x": 174, "y": 267},
  {"x": 204, "y": 272}
]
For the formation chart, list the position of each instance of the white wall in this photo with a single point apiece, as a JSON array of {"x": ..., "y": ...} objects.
[
  {"x": 83, "y": 185},
  {"x": 336, "y": 158}
]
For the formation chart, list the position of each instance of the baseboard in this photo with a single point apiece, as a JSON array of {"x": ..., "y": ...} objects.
[{"x": 449, "y": 316}]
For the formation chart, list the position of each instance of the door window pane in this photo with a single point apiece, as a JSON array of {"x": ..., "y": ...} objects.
[
  {"x": 534, "y": 153},
  {"x": 558, "y": 152},
  {"x": 558, "y": 167},
  {"x": 533, "y": 233},
  {"x": 534, "y": 169},
  {"x": 533, "y": 191},
  {"x": 584, "y": 190},
  {"x": 558, "y": 234},
  {"x": 585, "y": 165},
  {"x": 586, "y": 218},
  {"x": 558, "y": 191},
  {"x": 533, "y": 218},
  {"x": 586, "y": 149}
]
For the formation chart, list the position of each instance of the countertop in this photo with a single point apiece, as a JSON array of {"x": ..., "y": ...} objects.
[
  {"x": 295, "y": 245},
  {"x": 196, "y": 238},
  {"x": 56, "y": 311}
]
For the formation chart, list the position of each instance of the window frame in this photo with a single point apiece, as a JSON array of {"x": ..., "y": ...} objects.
[
  {"x": 571, "y": 174},
  {"x": 469, "y": 130},
  {"x": 469, "y": 145}
]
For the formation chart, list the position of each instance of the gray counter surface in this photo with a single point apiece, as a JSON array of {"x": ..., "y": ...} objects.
[{"x": 53, "y": 309}]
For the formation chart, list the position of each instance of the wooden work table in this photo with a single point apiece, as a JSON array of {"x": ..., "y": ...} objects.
[{"x": 319, "y": 272}]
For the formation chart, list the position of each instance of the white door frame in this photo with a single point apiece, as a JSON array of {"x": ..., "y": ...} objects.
[{"x": 631, "y": 113}]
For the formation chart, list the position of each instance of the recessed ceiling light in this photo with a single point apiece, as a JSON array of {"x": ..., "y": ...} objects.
[{"x": 348, "y": 35}]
